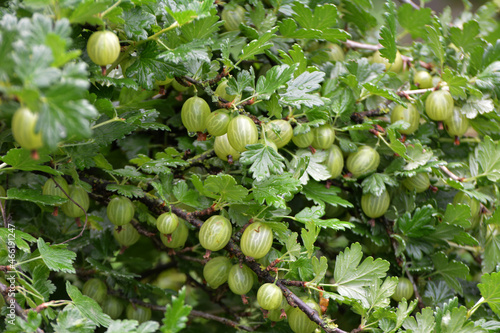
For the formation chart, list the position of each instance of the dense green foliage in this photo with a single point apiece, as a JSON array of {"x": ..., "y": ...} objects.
[{"x": 355, "y": 143}]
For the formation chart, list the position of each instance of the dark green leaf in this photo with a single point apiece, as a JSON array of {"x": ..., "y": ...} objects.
[
  {"x": 320, "y": 194},
  {"x": 35, "y": 196},
  {"x": 375, "y": 183},
  {"x": 421, "y": 224},
  {"x": 450, "y": 270},
  {"x": 21, "y": 159},
  {"x": 258, "y": 46},
  {"x": 276, "y": 190}
]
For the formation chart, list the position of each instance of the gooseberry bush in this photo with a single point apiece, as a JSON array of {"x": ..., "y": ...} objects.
[{"x": 265, "y": 166}]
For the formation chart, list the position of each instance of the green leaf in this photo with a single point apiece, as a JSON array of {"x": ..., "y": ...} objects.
[
  {"x": 414, "y": 20},
  {"x": 87, "y": 306},
  {"x": 276, "y": 77},
  {"x": 176, "y": 314},
  {"x": 149, "y": 66},
  {"x": 456, "y": 83},
  {"x": 475, "y": 106},
  {"x": 298, "y": 90},
  {"x": 421, "y": 224},
  {"x": 352, "y": 278},
  {"x": 435, "y": 42},
  {"x": 491, "y": 254},
  {"x": 71, "y": 320},
  {"x": 466, "y": 38},
  {"x": 397, "y": 146},
  {"x": 403, "y": 311},
  {"x": 258, "y": 46},
  {"x": 184, "y": 11},
  {"x": 225, "y": 188},
  {"x": 388, "y": 33},
  {"x": 455, "y": 321},
  {"x": 87, "y": 12},
  {"x": 487, "y": 154},
  {"x": 132, "y": 326},
  {"x": 417, "y": 155},
  {"x": 325, "y": 16},
  {"x": 320, "y": 194},
  {"x": 276, "y": 190},
  {"x": 202, "y": 28},
  {"x": 358, "y": 13},
  {"x": 309, "y": 234},
  {"x": 185, "y": 195},
  {"x": 292, "y": 247},
  {"x": 35, "y": 196},
  {"x": 490, "y": 290},
  {"x": 319, "y": 267},
  {"x": 56, "y": 257},
  {"x": 450, "y": 270},
  {"x": 379, "y": 294},
  {"x": 384, "y": 92},
  {"x": 288, "y": 29},
  {"x": 424, "y": 323},
  {"x": 375, "y": 183},
  {"x": 130, "y": 191},
  {"x": 264, "y": 161},
  {"x": 295, "y": 57},
  {"x": 457, "y": 215},
  {"x": 20, "y": 238},
  {"x": 137, "y": 23},
  {"x": 315, "y": 167}
]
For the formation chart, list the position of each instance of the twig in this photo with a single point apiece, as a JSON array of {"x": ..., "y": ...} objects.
[
  {"x": 451, "y": 174},
  {"x": 193, "y": 313},
  {"x": 78, "y": 205},
  {"x": 225, "y": 321},
  {"x": 420, "y": 303},
  {"x": 357, "y": 45},
  {"x": 156, "y": 207},
  {"x": 415, "y": 6}
]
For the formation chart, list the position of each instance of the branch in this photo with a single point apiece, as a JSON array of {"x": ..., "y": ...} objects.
[
  {"x": 78, "y": 205},
  {"x": 12, "y": 301},
  {"x": 415, "y": 6},
  {"x": 155, "y": 206},
  {"x": 451, "y": 174},
  {"x": 193, "y": 313},
  {"x": 357, "y": 45}
]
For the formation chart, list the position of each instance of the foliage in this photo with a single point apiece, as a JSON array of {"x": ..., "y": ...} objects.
[{"x": 118, "y": 131}]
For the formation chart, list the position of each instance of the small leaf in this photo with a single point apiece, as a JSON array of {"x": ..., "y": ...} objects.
[
  {"x": 176, "y": 314},
  {"x": 450, "y": 270},
  {"x": 56, "y": 257},
  {"x": 276, "y": 190},
  {"x": 87, "y": 306},
  {"x": 264, "y": 161},
  {"x": 490, "y": 290},
  {"x": 225, "y": 188}
]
